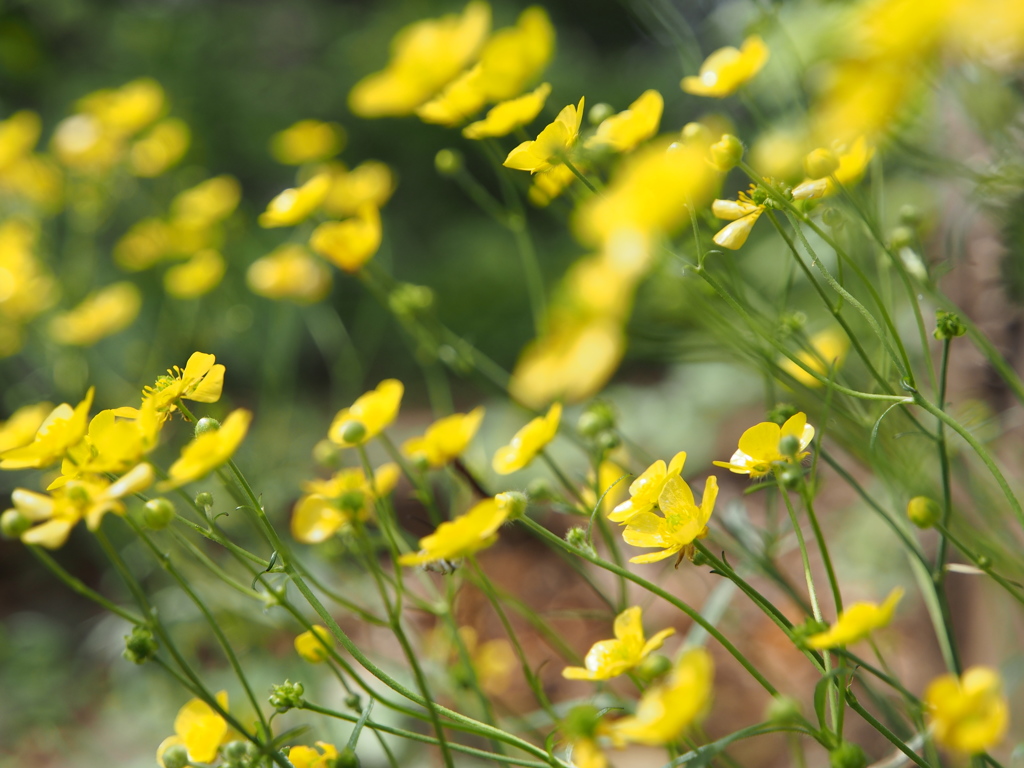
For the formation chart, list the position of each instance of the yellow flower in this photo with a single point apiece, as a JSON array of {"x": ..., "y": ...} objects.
[
  {"x": 307, "y": 757},
  {"x": 160, "y": 149},
  {"x": 207, "y": 202},
  {"x": 852, "y": 161},
  {"x": 128, "y": 109},
  {"x": 425, "y": 56},
  {"x": 296, "y": 204},
  {"x": 142, "y": 246},
  {"x": 586, "y": 753},
  {"x": 462, "y": 98},
  {"x": 89, "y": 498},
  {"x": 493, "y": 661},
  {"x": 611, "y": 488},
  {"x": 62, "y": 429},
  {"x": 306, "y": 142},
  {"x": 622, "y": 132},
  {"x": 21, "y": 427},
  {"x": 370, "y": 182},
  {"x": 290, "y": 272},
  {"x": 445, "y": 439},
  {"x": 505, "y": 117},
  {"x": 547, "y": 185},
  {"x": 199, "y": 729},
  {"x": 644, "y": 491},
  {"x": 828, "y": 350},
  {"x": 665, "y": 711},
  {"x": 116, "y": 440},
  {"x": 727, "y": 69},
  {"x": 313, "y": 645},
  {"x": 759, "y": 450},
  {"x": 351, "y": 243},
  {"x": 514, "y": 56},
  {"x": 208, "y": 451},
  {"x": 856, "y": 622},
  {"x": 682, "y": 521},
  {"x": 36, "y": 179},
  {"x": 100, "y": 314},
  {"x": 968, "y": 715},
  {"x": 332, "y": 505},
  {"x": 372, "y": 411},
  {"x": 527, "y": 442},
  {"x": 610, "y": 658},
  {"x": 197, "y": 276},
  {"x": 18, "y": 135},
  {"x": 83, "y": 143},
  {"x": 26, "y": 287},
  {"x": 742, "y": 212},
  {"x": 201, "y": 381},
  {"x": 552, "y": 144},
  {"x": 475, "y": 530}
]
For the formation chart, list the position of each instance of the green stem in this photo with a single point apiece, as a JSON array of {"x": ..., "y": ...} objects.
[{"x": 76, "y": 585}]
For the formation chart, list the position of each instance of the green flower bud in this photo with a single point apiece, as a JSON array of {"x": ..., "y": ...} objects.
[
  {"x": 353, "y": 702},
  {"x": 791, "y": 478},
  {"x": 346, "y": 758},
  {"x": 789, "y": 446},
  {"x": 901, "y": 237},
  {"x": 351, "y": 501},
  {"x": 847, "y": 755},
  {"x": 923, "y": 512},
  {"x": 140, "y": 646},
  {"x": 326, "y": 454},
  {"x": 600, "y": 112},
  {"x": 596, "y": 418},
  {"x": 948, "y": 325},
  {"x": 204, "y": 499},
  {"x": 407, "y": 298},
  {"x": 287, "y": 695},
  {"x": 608, "y": 440},
  {"x": 448, "y": 162},
  {"x": 984, "y": 562},
  {"x": 158, "y": 513},
  {"x": 910, "y": 215},
  {"x": 654, "y": 666},
  {"x": 353, "y": 432},
  {"x": 175, "y": 756},
  {"x": 783, "y": 710},
  {"x": 781, "y": 413},
  {"x": 820, "y": 163},
  {"x": 833, "y": 218},
  {"x": 236, "y": 753},
  {"x": 576, "y": 537},
  {"x": 539, "y": 489},
  {"x": 516, "y": 503},
  {"x": 726, "y": 152},
  {"x": 698, "y": 558},
  {"x": 13, "y": 524},
  {"x": 206, "y": 424}
]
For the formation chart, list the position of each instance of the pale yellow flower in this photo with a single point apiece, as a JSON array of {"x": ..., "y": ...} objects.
[
  {"x": 128, "y": 109},
  {"x": 307, "y": 141},
  {"x": 206, "y": 203},
  {"x": 610, "y": 658},
  {"x": 505, "y": 117},
  {"x": 527, "y": 442},
  {"x": 624, "y": 131},
  {"x": 333, "y": 505},
  {"x": 373, "y": 410},
  {"x": 161, "y": 148},
  {"x": 100, "y": 314},
  {"x": 290, "y": 272},
  {"x": 759, "y": 447},
  {"x": 197, "y": 276},
  {"x": 513, "y": 57},
  {"x": 296, "y": 204},
  {"x": 645, "y": 489},
  {"x": 462, "y": 98},
  {"x": 314, "y": 644},
  {"x": 307, "y": 757},
  {"x": 351, "y": 243},
  {"x": 969, "y": 714},
  {"x": 21, "y": 427},
  {"x": 680, "y": 523},
  {"x": 725, "y": 70},
  {"x": 856, "y": 622},
  {"x": 202, "y": 380},
  {"x": 369, "y": 183},
  {"x": 828, "y": 350},
  {"x": 200, "y": 729},
  {"x": 19, "y": 134},
  {"x": 62, "y": 429}
]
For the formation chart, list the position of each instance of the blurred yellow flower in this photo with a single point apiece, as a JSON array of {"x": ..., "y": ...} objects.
[
  {"x": 26, "y": 287},
  {"x": 828, "y": 350},
  {"x": 197, "y": 276},
  {"x": 645, "y": 489},
  {"x": 290, "y": 272},
  {"x": 505, "y": 117},
  {"x": 313, "y": 646},
  {"x": 856, "y": 622},
  {"x": 147, "y": 242},
  {"x": 462, "y": 98},
  {"x": 552, "y": 144},
  {"x": 611, "y": 487},
  {"x": 368, "y": 415},
  {"x": 610, "y": 658},
  {"x": 332, "y": 505},
  {"x": 61, "y": 429},
  {"x": 665, "y": 711},
  {"x": 81, "y": 142},
  {"x": 207, "y": 451},
  {"x": 425, "y": 56},
  {"x": 115, "y": 441},
  {"x": 206, "y": 203},
  {"x": 201, "y": 381},
  {"x": 466, "y": 534},
  {"x": 445, "y": 439},
  {"x": 37, "y": 180},
  {"x": 307, "y": 141},
  {"x": 493, "y": 661},
  {"x": 351, "y": 243},
  {"x": 624, "y": 131},
  {"x": 969, "y": 714},
  {"x": 547, "y": 185},
  {"x": 725, "y": 70},
  {"x": 369, "y": 183},
  {"x": 21, "y": 427},
  {"x": 513, "y": 57},
  {"x": 527, "y": 442},
  {"x": 19, "y": 134},
  {"x": 161, "y": 148},
  {"x": 851, "y": 160},
  {"x": 128, "y": 109},
  {"x": 199, "y": 729},
  {"x": 100, "y": 314},
  {"x": 307, "y": 757},
  {"x": 296, "y": 204},
  {"x": 88, "y": 498},
  {"x": 682, "y": 521},
  {"x": 759, "y": 446}
]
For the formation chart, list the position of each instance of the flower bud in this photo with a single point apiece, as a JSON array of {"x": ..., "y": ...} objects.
[
  {"x": 140, "y": 646},
  {"x": 948, "y": 325},
  {"x": 789, "y": 446},
  {"x": 353, "y": 432},
  {"x": 783, "y": 710},
  {"x": 353, "y": 702},
  {"x": 13, "y": 524},
  {"x": 326, "y": 454},
  {"x": 515, "y": 502},
  {"x": 609, "y": 440},
  {"x": 175, "y": 756},
  {"x": 576, "y": 537},
  {"x": 781, "y": 413},
  {"x": 158, "y": 513},
  {"x": 901, "y": 237},
  {"x": 407, "y": 298},
  {"x": 206, "y": 424},
  {"x": 923, "y": 512},
  {"x": 791, "y": 478},
  {"x": 287, "y": 695},
  {"x": 910, "y": 215},
  {"x": 236, "y": 753},
  {"x": 833, "y": 218},
  {"x": 539, "y": 489},
  {"x": 847, "y": 755},
  {"x": 820, "y": 163},
  {"x": 654, "y": 666},
  {"x": 984, "y": 562},
  {"x": 204, "y": 499},
  {"x": 448, "y": 162},
  {"x": 600, "y": 112},
  {"x": 596, "y": 417},
  {"x": 346, "y": 758},
  {"x": 726, "y": 152}
]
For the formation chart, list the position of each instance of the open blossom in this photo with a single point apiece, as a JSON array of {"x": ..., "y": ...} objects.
[
  {"x": 373, "y": 411},
  {"x": 290, "y": 272},
  {"x": 307, "y": 141},
  {"x": 200, "y": 729},
  {"x": 307, "y": 757},
  {"x": 100, "y": 314},
  {"x": 369, "y": 183},
  {"x": 849, "y": 161},
  {"x": 681, "y": 521},
  {"x": 22, "y": 426},
  {"x": 202, "y": 381},
  {"x": 208, "y": 451},
  {"x": 725, "y": 70},
  {"x": 625, "y": 130},
  {"x": 645, "y": 489},
  {"x": 856, "y": 622},
  {"x": 759, "y": 446},
  {"x": 527, "y": 442},
  {"x": 296, "y": 204},
  {"x": 116, "y": 440},
  {"x": 609, "y": 658},
  {"x": 351, "y": 243},
  {"x": 312, "y": 645},
  {"x": 743, "y": 213},
  {"x": 468, "y": 533},
  {"x": 552, "y": 144},
  {"x": 331, "y": 505},
  {"x": 969, "y": 714},
  {"x": 445, "y": 439},
  {"x": 62, "y": 429},
  {"x": 503, "y": 118},
  {"x": 828, "y": 350}
]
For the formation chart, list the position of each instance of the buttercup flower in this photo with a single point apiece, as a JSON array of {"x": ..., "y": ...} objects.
[
  {"x": 351, "y": 243},
  {"x": 742, "y": 212},
  {"x": 297, "y": 204},
  {"x": 610, "y": 658},
  {"x": 331, "y": 505},
  {"x": 513, "y": 57},
  {"x": 727, "y": 69},
  {"x": 857, "y": 622},
  {"x": 306, "y": 142},
  {"x": 968, "y": 715},
  {"x": 445, "y": 439},
  {"x": 493, "y": 661},
  {"x": 62, "y": 429},
  {"x": 307, "y": 757},
  {"x": 201, "y": 381},
  {"x": 462, "y": 98},
  {"x": 527, "y": 442},
  {"x": 206, "y": 203},
  {"x": 475, "y": 530},
  {"x": 127, "y": 109},
  {"x": 372, "y": 411},
  {"x": 547, "y": 185},
  {"x": 199, "y": 729},
  {"x": 828, "y": 350},
  {"x": 21, "y": 427},
  {"x": 551, "y": 146},
  {"x": 759, "y": 446},
  {"x": 645, "y": 489},
  {"x": 681, "y": 521},
  {"x": 290, "y": 272},
  {"x": 312, "y": 645},
  {"x": 19, "y": 133},
  {"x": 665, "y": 711},
  {"x": 197, "y": 276},
  {"x": 505, "y": 117},
  {"x": 102, "y": 313},
  {"x": 622, "y": 132},
  {"x": 851, "y": 162},
  {"x": 116, "y": 440},
  {"x": 611, "y": 486},
  {"x": 369, "y": 183},
  {"x": 160, "y": 149},
  {"x": 208, "y": 451}
]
